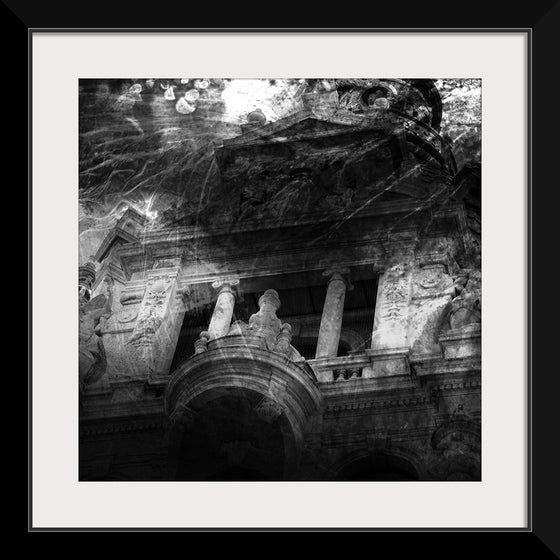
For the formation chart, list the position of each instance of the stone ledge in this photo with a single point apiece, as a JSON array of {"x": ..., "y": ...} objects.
[
  {"x": 461, "y": 343},
  {"x": 387, "y": 363}
]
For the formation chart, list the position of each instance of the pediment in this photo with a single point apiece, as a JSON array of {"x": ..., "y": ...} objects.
[
  {"x": 301, "y": 126},
  {"x": 310, "y": 127}
]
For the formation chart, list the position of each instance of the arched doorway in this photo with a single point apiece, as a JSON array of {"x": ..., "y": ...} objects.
[
  {"x": 378, "y": 467},
  {"x": 238, "y": 410},
  {"x": 230, "y": 439}
]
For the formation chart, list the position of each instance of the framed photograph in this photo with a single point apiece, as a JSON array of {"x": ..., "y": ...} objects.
[{"x": 294, "y": 295}]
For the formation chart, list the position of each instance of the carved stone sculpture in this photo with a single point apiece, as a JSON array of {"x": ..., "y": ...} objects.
[
  {"x": 93, "y": 314},
  {"x": 275, "y": 335},
  {"x": 201, "y": 345},
  {"x": 283, "y": 340},
  {"x": 265, "y": 323},
  {"x": 151, "y": 314},
  {"x": 395, "y": 297},
  {"x": 465, "y": 307},
  {"x": 268, "y": 409}
]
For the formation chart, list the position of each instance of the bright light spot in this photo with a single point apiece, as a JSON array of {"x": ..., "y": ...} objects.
[
  {"x": 192, "y": 95},
  {"x": 184, "y": 107},
  {"x": 243, "y": 96},
  {"x": 169, "y": 93},
  {"x": 152, "y": 214}
]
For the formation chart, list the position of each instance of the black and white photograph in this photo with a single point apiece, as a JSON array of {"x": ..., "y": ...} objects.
[
  {"x": 280, "y": 279},
  {"x": 283, "y": 241}
]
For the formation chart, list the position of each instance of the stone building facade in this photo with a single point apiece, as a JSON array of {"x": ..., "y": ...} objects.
[{"x": 318, "y": 317}]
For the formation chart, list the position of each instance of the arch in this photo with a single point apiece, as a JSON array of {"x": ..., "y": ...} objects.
[
  {"x": 377, "y": 465},
  {"x": 227, "y": 439},
  {"x": 278, "y": 386}
]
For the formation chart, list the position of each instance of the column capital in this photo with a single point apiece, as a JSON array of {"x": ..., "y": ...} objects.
[
  {"x": 395, "y": 270},
  {"x": 230, "y": 285},
  {"x": 230, "y": 281},
  {"x": 341, "y": 273}
]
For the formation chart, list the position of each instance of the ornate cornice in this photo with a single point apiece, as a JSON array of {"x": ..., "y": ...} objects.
[
  {"x": 380, "y": 439},
  {"x": 412, "y": 401},
  {"x": 98, "y": 427}
]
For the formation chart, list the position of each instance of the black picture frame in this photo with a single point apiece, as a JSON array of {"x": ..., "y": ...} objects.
[{"x": 541, "y": 23}]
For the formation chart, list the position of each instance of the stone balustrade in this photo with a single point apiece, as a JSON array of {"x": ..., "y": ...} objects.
[{"x": 343, "y": 368}]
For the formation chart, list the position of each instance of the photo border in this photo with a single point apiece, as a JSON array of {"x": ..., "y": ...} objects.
[{"x": 528, "y": 237}]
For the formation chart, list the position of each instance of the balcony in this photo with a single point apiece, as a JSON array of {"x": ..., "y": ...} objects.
[{"x": 249, "y": 391}]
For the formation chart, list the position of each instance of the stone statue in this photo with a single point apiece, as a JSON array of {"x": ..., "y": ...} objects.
[
  {"x": 465, "y": 307},
  {"x": 265, "y": 325},
  {"x": 92, "y": 317}
]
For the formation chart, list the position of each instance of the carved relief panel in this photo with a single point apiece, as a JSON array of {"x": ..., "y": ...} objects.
[
  {"x": 392, "y": 310},
  {"x": 431, "y": 281},
  {"x": 153, "y": 310},
  {"x": 151, "y": 346}
]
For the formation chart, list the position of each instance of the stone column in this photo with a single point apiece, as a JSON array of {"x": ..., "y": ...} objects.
[
  {"x": 331, "y": 319},
  {"x": 223, "y": 311}
]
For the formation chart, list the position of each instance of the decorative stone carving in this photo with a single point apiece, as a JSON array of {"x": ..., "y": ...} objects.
[
  {"x": 431, "y": 281},
  {"x": 432, "y": 292},
  {"x": 86, "y": 278},
  {"x": 201, "y": 345},
  {"x": 342, "y": 374},
  {"x": 130, "y": 297},
  {"x": 127, "y": 317},
  {"x": 268, "y": 409},
  {"x": 283, "y": 340},
  {"x": 93, "y": 314},
  {"x": 391, "y": 315},
  {"x": 461, "y": 336},
  {"x": 265, "y": 323},
  {"x": 395, "y": 295},
  {"x": 466, "y": 307},
  {"x": 152, "y": 313},
  {"x": 150, "y": 347}
]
